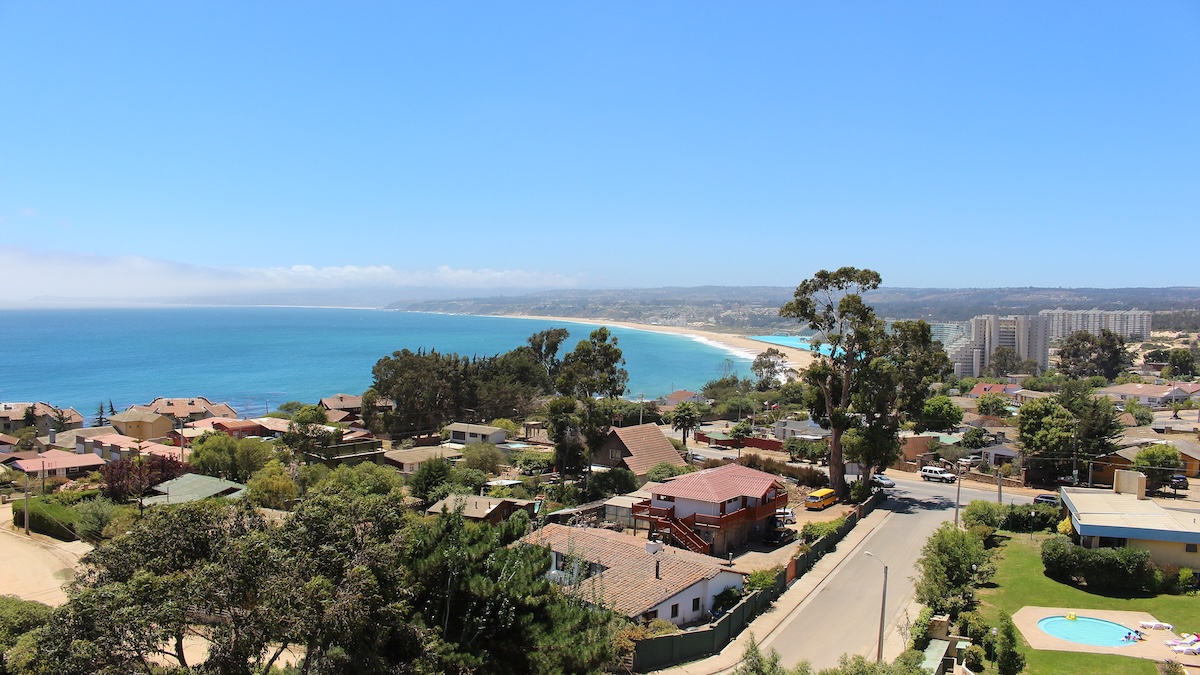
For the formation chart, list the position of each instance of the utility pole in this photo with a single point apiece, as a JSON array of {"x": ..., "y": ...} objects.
[
  {"x": 27, "y": 504},
  {"x": 957, "y": 492},
  {"x": 999, "y": 485},
  {"x": 882, "y": 608}
]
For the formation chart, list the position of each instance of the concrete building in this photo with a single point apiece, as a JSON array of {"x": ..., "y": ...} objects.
[
  {"x": 1028, "y": 336},
  {"x": 1124, "y": 517},
  {"x": 1131, "y": 324}
]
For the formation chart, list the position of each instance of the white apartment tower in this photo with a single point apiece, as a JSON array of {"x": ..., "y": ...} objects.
[
  {"x": 1131, "y": 324},
  {"x": 1028, "y": 336}
]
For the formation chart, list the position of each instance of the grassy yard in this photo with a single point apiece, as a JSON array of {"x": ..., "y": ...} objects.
[{"x": 1020, "y": 581}]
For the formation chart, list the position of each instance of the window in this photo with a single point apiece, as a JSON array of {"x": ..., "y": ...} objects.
[
  {"x": 675, "y": 611},
  {"x": 1190, "y": 548},
  {"x": 614, "y": 453},
  {"x": 650, "y": 616},
  {"x": 695, "y": 604}
]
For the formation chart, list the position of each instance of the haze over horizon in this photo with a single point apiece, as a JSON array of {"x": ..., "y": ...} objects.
[{"x": 219, "y": 149}]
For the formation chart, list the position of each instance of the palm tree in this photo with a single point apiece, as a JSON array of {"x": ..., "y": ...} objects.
[{"x": 685, "y": 417}]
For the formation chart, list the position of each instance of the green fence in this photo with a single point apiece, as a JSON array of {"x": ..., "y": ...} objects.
[{"x": 668, "y": 650}]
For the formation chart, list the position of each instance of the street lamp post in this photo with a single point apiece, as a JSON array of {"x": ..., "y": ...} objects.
[{"x": 882, "y": 608}]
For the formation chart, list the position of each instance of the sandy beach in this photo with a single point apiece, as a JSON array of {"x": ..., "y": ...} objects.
[{"x": 739, "y": 345}]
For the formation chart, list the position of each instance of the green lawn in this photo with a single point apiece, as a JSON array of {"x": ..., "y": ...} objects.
[{"x": 1020, "y": 581}]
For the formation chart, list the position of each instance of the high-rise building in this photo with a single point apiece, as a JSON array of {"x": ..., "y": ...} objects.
[
  {"x": 1131, "y": 324},
  {"x": 971, "y": 351}
]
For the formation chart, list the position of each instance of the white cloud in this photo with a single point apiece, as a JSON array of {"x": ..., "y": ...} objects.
[{"x": 38, "y": 278}]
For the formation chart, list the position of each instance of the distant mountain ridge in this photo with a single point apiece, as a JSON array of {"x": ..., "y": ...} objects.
[{"x": 757, "y": 307}]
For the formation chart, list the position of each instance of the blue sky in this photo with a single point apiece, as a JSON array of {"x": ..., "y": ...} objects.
[{"x": 155, "y": 148}]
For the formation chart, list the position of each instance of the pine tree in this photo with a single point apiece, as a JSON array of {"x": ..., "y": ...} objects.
[{"x": 1009, "y": 661}]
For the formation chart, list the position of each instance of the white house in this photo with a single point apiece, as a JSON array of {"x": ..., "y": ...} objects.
[{"x": 633, "y": 577}]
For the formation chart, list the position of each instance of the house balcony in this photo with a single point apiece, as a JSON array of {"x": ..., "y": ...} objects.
[{"x": 663, "y": 515}]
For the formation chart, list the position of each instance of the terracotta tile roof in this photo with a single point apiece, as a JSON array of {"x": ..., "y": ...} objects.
[
  {"x": 474, "y": 507},
  {"x": 186, "y": 407},
  {"x": 116, "y": 440},
  {"x": 720, "y": 484},
  {"x": 63, "y": 460},
  {"x": 982, "y": 388},
  {"x": 133, "y": 415},
  {"x": 5, "y": 439},
  {"x": 342, "y": 402},
  {"x": 235, "y": 424},
  {"x": 16, "y": 411},
  {"x": 678, "y": 396},
  {"x": 648, "y": 447},
  {"x": 273, "y": 424},
  {"x": 627, "y": 584}
]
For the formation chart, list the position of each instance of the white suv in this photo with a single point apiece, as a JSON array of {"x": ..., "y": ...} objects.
[{"x": 937, "y": 473}]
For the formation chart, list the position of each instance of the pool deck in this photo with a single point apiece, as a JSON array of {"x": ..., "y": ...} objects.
[{"x": 1153, "y": 647}]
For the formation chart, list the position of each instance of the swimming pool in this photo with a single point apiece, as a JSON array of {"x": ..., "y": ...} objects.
[{"x": 1086, "y": 630}]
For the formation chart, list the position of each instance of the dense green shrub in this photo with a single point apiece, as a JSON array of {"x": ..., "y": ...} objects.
[
  {"x": 760, "y": 579},
  {"x": 920, "y": 629},
  {"x": 54, "y": 520},
  {"x": 1017, "y": 519},
  {"x": 973, "y": 658},
  {"x": 726, "y": 599},
  {"x": 981, "y": 512},
  {"x": 92, "y": 516},
  {"x": 1060, "y": 558},
  {"x": 72, "y": 497},
  {"x": 1118, "y": 569},
  {"x": 813, "y": 531},
  {"x": 1104, "y": 569}
]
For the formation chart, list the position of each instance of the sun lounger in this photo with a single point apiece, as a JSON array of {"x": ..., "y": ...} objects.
[
  {"x": 1186, "y": 649},
  {"x": 1185, "y": 640},
  {"x": 1156, "y": 625}
]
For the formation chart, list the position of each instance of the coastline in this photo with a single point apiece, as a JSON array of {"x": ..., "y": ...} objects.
[{"x": 736, "y": 344}]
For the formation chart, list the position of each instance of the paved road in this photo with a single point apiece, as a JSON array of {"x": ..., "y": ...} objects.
[
  {"x": 842, "y": 615},
  {"x": 35, "y": 568}
]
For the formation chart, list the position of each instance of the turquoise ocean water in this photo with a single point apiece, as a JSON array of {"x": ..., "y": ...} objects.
[
  {"x": 794, "y": 341},
  {"x": 253, "y": 357}
]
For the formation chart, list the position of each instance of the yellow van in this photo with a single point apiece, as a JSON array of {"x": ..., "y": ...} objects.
[{"x": 820, "y": 499}]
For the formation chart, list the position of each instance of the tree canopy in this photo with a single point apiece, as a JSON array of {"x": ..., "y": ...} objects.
[
  {"x": 870, "y": 379},
  {"x": 356, "y": 583},
  {"x": 1083, "y": 354}
]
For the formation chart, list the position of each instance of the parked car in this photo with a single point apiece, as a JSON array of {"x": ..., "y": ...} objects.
[
  {"x": 937, "y": 473},
  {"x": 779, "y": 535},
  {"x": 1047, "y": 498},
  {"x": 788, "y": 516},
  {"x": 1179, "y": 482},
  {"x": 882, "y": 481}
]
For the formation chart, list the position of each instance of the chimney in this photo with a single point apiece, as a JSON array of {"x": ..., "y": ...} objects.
[
  {"x": 657, "y": 569},
  {"x": 53, "y": 435}
]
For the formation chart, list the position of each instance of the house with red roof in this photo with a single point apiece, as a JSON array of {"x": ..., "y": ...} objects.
[
  {"x": 981, "y": 388},
  {"x": 59, "y": 463},
  {"x": 194, "y": 408},
  {"x": 638, "y": 579},
  {"x": 714, "y": 510},
  {"x": 46, "y": 417},
  {"x": 637, "y": 448}
]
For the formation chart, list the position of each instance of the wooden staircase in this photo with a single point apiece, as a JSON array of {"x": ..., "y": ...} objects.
[{"x": 684, "y": 535}]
